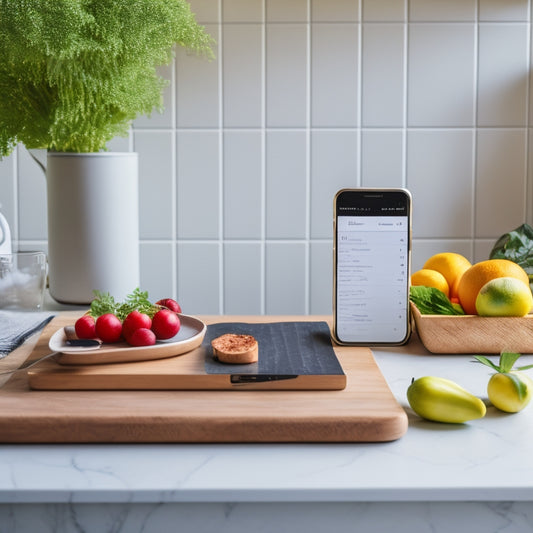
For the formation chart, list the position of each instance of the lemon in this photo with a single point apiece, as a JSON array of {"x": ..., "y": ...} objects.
[
  {"x": 480, "y": 273},
  {"x": 451, "y": 265},
  {"x": 510, "y": 392},
  {"x": 430, "y": 278},
  {"x": 504, "y": 297}
]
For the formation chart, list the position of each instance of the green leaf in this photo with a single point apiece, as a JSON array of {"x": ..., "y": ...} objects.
[
  {"x": 526, "y": 367},
  {"x": 520, "y": 386},
  {"x": 507, "y": 360},
  {"x": 516, "y": 246},
  {"x": 74, "y": 74},
  {"x": 102, "y": 303},
  {"x": 431, "y": 301},
  {"x": 487, "y": 362}
]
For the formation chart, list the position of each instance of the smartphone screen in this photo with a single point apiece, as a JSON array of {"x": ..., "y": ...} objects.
[{"x": 372, "y": 255}]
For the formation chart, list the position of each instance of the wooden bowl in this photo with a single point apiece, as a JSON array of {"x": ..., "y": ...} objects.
[{"x": 474, "y": 334}]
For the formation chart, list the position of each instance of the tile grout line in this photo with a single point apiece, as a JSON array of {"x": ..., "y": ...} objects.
[{"x": 220, "y": 73}]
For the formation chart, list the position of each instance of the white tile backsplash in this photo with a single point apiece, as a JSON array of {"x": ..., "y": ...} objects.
[
  {"x": 305, "y": 97},
  {"x": 383, "y": 75},
  {"x": 500, "y": 180},
  {"x": 242, "y": 75},
  {"x": 334, "y": 75},
  {"x": 286, "y": 75},
  {"x": 503, "y": 75},
  {"x": 441, "y": 74},
  {"x": 440, "y": 177}
]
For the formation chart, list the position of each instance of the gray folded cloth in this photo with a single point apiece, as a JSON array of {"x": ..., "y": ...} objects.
[{"x": 17, "y": 326}]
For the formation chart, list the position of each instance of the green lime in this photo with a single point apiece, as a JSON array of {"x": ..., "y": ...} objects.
[{"x": 504, "y": 296}]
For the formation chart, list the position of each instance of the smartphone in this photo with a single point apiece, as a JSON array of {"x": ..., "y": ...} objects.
[{"x": 372, "y": 255}]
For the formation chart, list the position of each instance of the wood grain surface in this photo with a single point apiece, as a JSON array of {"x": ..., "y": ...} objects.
[
  {"x": 293, "y": 355},
  {"x": 450, "y": 334},
  {"x": 364, "y": 411}
]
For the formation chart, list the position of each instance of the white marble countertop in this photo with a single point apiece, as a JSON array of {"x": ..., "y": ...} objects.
[{"x": 484, "y": 460}]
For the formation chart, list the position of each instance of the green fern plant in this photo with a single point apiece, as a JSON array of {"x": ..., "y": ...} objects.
[{"x": 75, "y": 73}]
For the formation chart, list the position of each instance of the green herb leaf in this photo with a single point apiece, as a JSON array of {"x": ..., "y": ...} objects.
[
  {"x": 520, "y": 386},
  {"x": 102, "y": 303},
  {"x": 506, "y": 363},
  {"x": 138, "y": 300},
  {"x": 487, "y": 362},
  {"x": 431, "y": 301},
  {"x": 507, "y": 360},
  {"x": 516, "y": 246}
]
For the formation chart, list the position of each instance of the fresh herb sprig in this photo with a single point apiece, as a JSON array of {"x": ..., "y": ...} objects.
[
  {"x": 431, "y": 301},
  {"x": 104, "y": 302}
]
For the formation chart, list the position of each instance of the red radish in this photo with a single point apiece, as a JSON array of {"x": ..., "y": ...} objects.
[
  {"x": 142, "y": 337},
  {"x": 134, "y": 321},
  {"x": 84, "y": 327},
  {"x": 165, "y": 324},
  {"x": 171, "y": 304},
  {"x": 108, "y": 328}
]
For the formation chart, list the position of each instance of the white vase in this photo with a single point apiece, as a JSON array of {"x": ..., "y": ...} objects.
[{"x": 93, "y": 225}]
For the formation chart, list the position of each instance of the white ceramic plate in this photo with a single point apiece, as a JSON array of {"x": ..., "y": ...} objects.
[{"x": 190, "y": 336}]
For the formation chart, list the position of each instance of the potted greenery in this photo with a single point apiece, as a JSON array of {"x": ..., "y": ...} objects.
[{"x": 73, "y": 75}]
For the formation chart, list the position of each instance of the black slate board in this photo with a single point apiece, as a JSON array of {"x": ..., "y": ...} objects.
[{"x": 286, "y": 349}]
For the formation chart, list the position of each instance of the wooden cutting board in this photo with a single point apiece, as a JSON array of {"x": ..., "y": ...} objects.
[
  {"x": 292, "y": 355},
  {"x": 364, "y": 411}
]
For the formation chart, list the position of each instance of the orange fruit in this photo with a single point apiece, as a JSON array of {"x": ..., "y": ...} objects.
[
  {"x": 452, "y": 266},
  {"x": 480, "y": 273},
  {"x": 430, "y": 278}
]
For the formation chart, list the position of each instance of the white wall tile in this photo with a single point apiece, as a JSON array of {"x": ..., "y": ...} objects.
[
  {"x": 198, "y": 185},
  {"x": 286, "y": 75},
  {"x": 197, "y": 88},
  {"x": 242, "y": 10},
  {"x": 334, "y": 75},
  {"x": 442, "y": 10},
  {"x": 498, "y": 10},
  {"x": 242, "y": 77},
  {"x": 286, "y": 282},
  {"x": 242, "y": 185},
  {"x": 339, "y": 10},
  {"x": 482, "y": 248},
  {"x": 286, "y": 185},
  {"x": 500, "y": 181},
  {"x": 8, "y": 192},
  {"x": 383, "y": 73},
  {"x": 321, "y": 278},
  {"x": 382, "y": 158},
  {"x": 529, "y": 179},
  {"x": 304, "y": 98},
  {"x": 440, "y": 178},
  {"x": 334, "y": 166},
  {"x": 384, "y": 10},
  {"x": 283, "y": 11},
  {"x": 205, "y": 10},
  {"x": 121, "y": 144},
  {"x": 156, "y": 178},
  {"x": 243, "y": 278},
  {"x": 157, "y": 270},
  {"x": 32, "y": 214},
  {"x": 441, "y": 70},
  {"x": 503, "y": 77},
  {"x": 198, "y": 277},
  {"x": 422, "y": 250}
]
